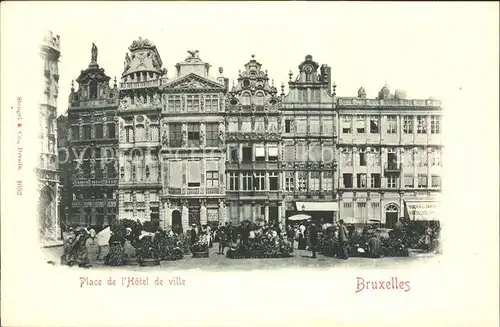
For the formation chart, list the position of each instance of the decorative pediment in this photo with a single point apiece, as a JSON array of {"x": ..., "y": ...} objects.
[
  {"x": 194, "y": 82},
  {"x": 93, "y": 73}
]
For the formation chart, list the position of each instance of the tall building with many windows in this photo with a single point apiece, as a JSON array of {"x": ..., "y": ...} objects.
[
  {"x": 309, "y": 138},
  {"x": 139, "y": 133},
  {"x": 47, "y": 168},
  {"x": 389, "y": 157},
  {"x": 253, "y": 144},
  {"x": 92, "y": 146},
  {"x": 193, "y": 145}
]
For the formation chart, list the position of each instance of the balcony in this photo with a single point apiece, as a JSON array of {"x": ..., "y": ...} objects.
[
  {"x": 397, "y": 103},
  {"x": 195, "y": 191},
  {"x": 392, "y": 168},
  {"x": 138, "y": 85}
]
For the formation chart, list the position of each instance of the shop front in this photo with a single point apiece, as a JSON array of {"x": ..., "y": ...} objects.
[{"x": 320, "y": 212}]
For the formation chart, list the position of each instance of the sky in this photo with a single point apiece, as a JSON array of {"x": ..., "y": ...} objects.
[{"x": 422, "y": 49}]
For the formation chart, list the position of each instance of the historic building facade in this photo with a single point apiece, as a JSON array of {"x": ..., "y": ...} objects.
[
  {"x": 65, "y": 169},
  {"x": 193, "y": 145},
  {"x": 308, "y": 140},
  {"x": 139, "y": 133},
  {"x": 253, "y": 137},
  {"x": 47, "y": 167},
  {"x": 93, "y": 144},
  {"x": 389, "y": 157}
]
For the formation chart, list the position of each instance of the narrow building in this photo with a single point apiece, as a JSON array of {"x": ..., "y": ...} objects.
[
  {"x": 92, "y": 147},
  {"x": 253, "y": 148},
  {"x": 309, "y": 140},
  {"x": 193, "y": 145}
]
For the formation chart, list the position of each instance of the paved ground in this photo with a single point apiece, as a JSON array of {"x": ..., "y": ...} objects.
[{"x": 300, "y": 258}]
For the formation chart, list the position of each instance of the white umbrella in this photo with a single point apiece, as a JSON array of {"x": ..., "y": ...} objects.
[
  {"x": 103, "y": 236},
  {"x": 299, "y": 217}
]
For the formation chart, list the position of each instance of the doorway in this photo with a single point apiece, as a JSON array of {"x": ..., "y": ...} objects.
[
  {"x": 391, "y": 215},
  {"x": 176, "y": 221}
]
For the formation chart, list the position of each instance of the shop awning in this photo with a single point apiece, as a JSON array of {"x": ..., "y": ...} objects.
[
  {"x": 422, "y": 209},
  {"x": 317, "y": 206}
]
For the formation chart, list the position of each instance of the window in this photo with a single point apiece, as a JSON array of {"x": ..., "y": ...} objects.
[
  {"x": 375, "y": 180},
  {"x": 259, "y": 180},
  {"x": 327, "y": 181},
  {"x": 288, "y": 126},
  {"x": 421, "y": 125},
  {"x": 155, "y": 214},
  {"x": 193, "y": 135},
  {"x": 327, "y": 152},
  {"x": 98, "y": 169},
  {"x": 154, "y": 133},
  {"x": 347, "y": 205},
  {"x": 259, "y": 99},
  {"x": 435, "y": 124},
  {"x": 75, "y": 133},
  {"x": 192, "y": 103},
  {"x": 302, "y": 181},
  {"x": 245, "y": 99},
  {"x": 391, "y": 124},
  {"x": 289, "y": 185},
  {"x": 234, "y": 154},
  {"x": 346, "y": 124},
  {"x": 289, "y": 152},
  {"x": 127, "y": 197},
  {"x": 392, "y": 159},
  {"x": 111, "y": 132},
  {"x": 314, "y": 181},
  {"x": 174, "y": 103},
  {"x": 361, "y": 204},
  {"x": 234, "y": 181},
  {"x": 301, "y": 126},
  {"x": 362, "y": 157},
  {"x": 327, "y": 125},
  {"x": 360, "y": 124},
  {"x": 302, "y": 152},
  {"x": 110, "y": 167},
  {"x": 374, "y": 125},
  {"x": 232, "y": 126},
  {"x": 314, "y": 125},
  {"x": 140, "y": 133},
  {"x": 212, "y": 134},
  {"x": 212, "y": 103},
  {"x": 435, "y": 157},
  {"x": 98, "y": 131},
  {"x": 247, "y": 181},
  {"x": 347, "y": 180},
  {"x": 422, "y": 181},
  {"x": 361, "y": 180},
  {"x": 408, "y": 124},
  {"x": 260, "y": 153},
  {"x": 212, "y": 179},
  {"x": 175, "y": 135},
  {"x": 273, "y": 181},
  {"x": 436, "y": 181},
  {"x": 315, "y": 152},
  {"x": 193, "y": 173},
  {"x": 273, "y": 153},
  {"x": 391, "y": 181},
  {"x": 246, "y": 126},
  {"x": 315, "y": 95},
  {"x": 409, "y": 181},
  {"x": 247, "y": 154},
  {"x": 139, "y": 163},
  {"x": 86, "y": 132},
  {"x": 303, "y": 93},
  {"x": 375, "y": 205},
  {"x": 93, "y": 89},
  {"x": 259, "y": 125},
  {"x": 129, "y": 134}
]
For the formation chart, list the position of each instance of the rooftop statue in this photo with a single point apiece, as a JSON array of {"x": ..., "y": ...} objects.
[{"x": 94, "y": 53}]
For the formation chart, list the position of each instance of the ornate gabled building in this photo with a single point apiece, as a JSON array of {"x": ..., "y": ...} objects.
[
  {"x": 193, "y": 145},
  {"x": 93, "y": 144},
  {"x": 309, "y": 138},
  {"x": 139, "y": 133},
  {"x": 253, "y": 140},
  {"x": 47, "y": 168},
  {"x": 389, "y": 157}
]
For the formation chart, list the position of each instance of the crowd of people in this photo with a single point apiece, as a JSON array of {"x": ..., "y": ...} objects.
[{"x": 131, "y": 240}]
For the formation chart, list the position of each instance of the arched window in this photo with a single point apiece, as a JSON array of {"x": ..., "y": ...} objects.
[
  {"x": 245, "y": 99},
  {"x": 259, "y": 99},
  {"x": 93, "y": 89},
  {"x": 391, "y": 208},
  {"x": 110, "y": 95}
]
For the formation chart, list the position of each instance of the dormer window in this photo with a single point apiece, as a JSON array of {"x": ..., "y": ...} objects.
[
  {"x": 246, "y": 83},
  {"x": 93, "y": 89}
]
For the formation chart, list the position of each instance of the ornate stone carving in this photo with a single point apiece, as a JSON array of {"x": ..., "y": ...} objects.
[
  {"x": 164, "y": 139},
  {"x": 94, "y": 53}
]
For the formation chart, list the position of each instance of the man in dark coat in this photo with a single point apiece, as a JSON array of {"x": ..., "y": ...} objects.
[
  {"x": 194, "y": 237},
  {"x": 343, "y": 240},
  {"x": 313, "y": 239}
]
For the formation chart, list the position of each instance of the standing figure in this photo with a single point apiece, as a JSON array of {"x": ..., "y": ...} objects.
[
  {"x": 313, "y": 239},
  {"x": 302, "y": 237},
  {"x": 343, "y": 239},
  {"x": 94, "y": 53},
  {"x": 290, "y": 235}
]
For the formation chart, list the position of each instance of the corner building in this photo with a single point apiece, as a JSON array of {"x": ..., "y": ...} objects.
[
  {"x": 46, "y": 170},
  {"x": 253, "y": 144},
  {"x": 389, "y": 157},
  {"x": 309, "y": 138},
  {"x": 92, "y": 147},
  {"x": 193, "y": 145}
]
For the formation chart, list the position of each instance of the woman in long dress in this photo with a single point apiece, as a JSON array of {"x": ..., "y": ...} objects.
[
  {"x": 116, "y": 256},
  {"x": 302, "y": 238},
  {"x": 92, "y": 246}
]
